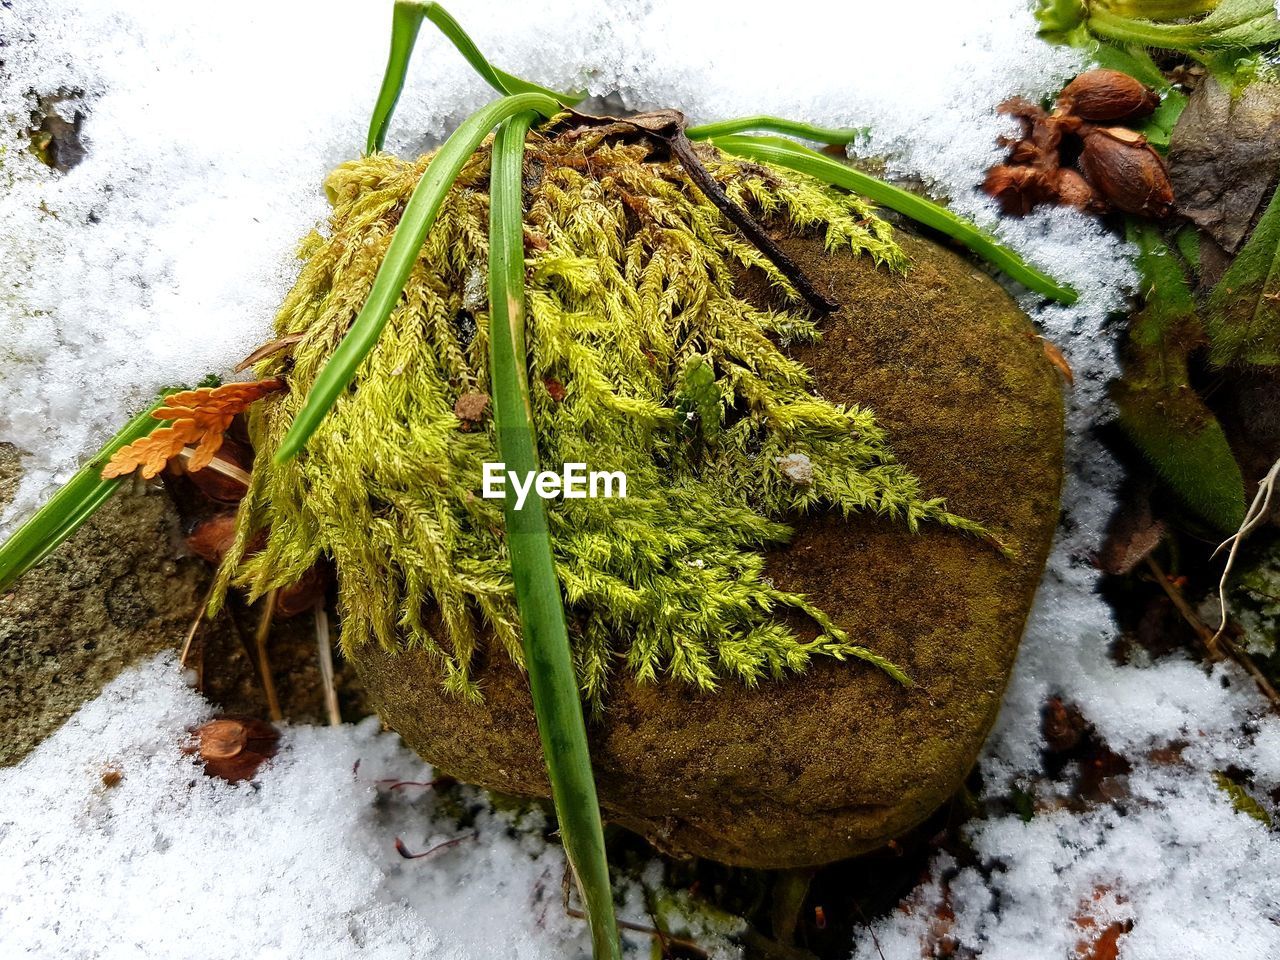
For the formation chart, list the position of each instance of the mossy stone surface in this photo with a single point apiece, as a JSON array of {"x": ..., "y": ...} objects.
[{"x": 842, "y": 759}]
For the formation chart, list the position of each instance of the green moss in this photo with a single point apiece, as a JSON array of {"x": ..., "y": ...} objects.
[{"x": 634, "y": 325}]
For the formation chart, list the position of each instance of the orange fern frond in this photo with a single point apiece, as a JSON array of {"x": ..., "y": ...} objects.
[{"x": 200, "y": 418}]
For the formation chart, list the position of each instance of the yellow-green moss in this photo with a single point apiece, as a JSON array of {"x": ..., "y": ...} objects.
[{"x": 631, "y": 303}]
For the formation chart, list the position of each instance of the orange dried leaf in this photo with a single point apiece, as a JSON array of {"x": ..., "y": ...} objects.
[
  {"x": 200, "y": 418},
  {"x": 1059, "y": 360}
]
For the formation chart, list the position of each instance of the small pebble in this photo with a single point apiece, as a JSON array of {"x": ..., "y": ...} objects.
[{"x": 796, "y": 467}]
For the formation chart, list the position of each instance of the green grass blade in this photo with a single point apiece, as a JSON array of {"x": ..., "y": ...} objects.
[
  {"x": 552, "y": 678},
  {"x": 419, "y": 215},
  {"x": 500, "y": 80},
  {"x": 406, "y": 21},
  {"x": 71, "y": 506},
  {"x": 794, "y": 156},
  {"x": 836, "y": 136}
]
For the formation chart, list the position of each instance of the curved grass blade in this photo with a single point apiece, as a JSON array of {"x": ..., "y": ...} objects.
[
  {"x": 72, "y": 505},
  {"x": 419, "y": 215},
  {"x": 552, "y": 678},
  {"x": 794, "y": 156},
  {"x": 406, "y": 21},
  {"x": 835, "y": 136}
]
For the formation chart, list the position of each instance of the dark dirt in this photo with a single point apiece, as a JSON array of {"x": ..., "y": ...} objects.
[{"x": 841, "y": 760}]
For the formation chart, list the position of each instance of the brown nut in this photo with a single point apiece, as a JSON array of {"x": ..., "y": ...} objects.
[
  {"x": 1107, "y": 95},
  {"x": 1073, "y": 190},
  {"x": 1018, "y": 188},
  {"x": 301, "y": 596},
  {"x": 1124, "y": 168},
  {"x": 233, "y": 748},
  {"x": 212, "y": 538}
]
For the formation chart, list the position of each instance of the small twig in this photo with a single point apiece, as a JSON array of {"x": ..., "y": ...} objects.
[
  {"x": 398, "y": 784},
  {"x": 683, "y": 151},
  {"x": 661, "y": 936},
  {"x": 324, "y": 650},
  {"x": 1255, "y": 515},
  {"x": 404, "y": 851},
  {"x": 218, "y": 465},
  {"x": 667, "y": 127},
  {"x": 268, "y": 350},
  {"x": 264, "y": 664},
  {"x": 196, "y": 624},
  {"x": 1215, "y": 644}
]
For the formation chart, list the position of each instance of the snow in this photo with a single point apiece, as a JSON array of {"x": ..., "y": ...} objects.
[
  {"x": 299, "y": 863},
  {"x": 160, "y": 257}
]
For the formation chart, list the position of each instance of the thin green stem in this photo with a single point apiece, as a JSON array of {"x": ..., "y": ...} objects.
[
  {"x": 548, "y": 657},
  {"x": 419, "y": 215},
  {"x": 794, "y": 156},
  {"x": 1144, "y": 33},
  {"x": 71, "y": 506},
  {"x": 406, "y": 21},
  {"x": 836, "y": 136}
]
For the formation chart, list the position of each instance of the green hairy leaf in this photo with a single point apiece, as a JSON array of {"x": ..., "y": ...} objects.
[
  {"x": 1159, "y": 410},
  {"x": 1243, "y": 312}
]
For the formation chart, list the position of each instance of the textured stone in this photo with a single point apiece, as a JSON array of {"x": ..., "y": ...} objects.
[
  {"x": 111, "y": 595},
  {"x": 841, "y": 759}
]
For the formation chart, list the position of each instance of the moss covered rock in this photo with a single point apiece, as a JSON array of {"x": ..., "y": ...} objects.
[{"x": 842, "y": 758}]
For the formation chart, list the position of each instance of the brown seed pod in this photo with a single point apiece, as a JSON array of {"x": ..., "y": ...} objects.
[
  {"x": 212, "y": 538},
  {"x": 1123, "y": 167},
  {"x": 233, "y": 748},
  {"x": 302, "y": 596},
  {"x": 1073, "y": 190},
  {"x": 1018, "y": 188},
  {"x": 1107, "y": 95},
  {"x": 225, "y": 479}
]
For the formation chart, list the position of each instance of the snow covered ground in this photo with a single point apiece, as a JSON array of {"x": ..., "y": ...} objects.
[{"x": 160, "y": 258}]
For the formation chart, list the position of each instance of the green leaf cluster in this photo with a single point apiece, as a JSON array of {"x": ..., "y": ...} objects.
[{"x": 1190, "y": 26}]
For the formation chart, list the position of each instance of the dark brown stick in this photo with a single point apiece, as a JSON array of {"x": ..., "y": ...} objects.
[
  {"x": 1213, "y": 643},
  {"x": 682, "y": 150},
  {"x": 667, "y": 127}
]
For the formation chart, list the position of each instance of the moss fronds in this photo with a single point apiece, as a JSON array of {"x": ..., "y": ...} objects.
[{"x": 643, "y": 360}]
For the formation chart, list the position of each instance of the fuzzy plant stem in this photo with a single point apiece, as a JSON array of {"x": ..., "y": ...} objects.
[
  {"x": 1159, "y": 9},
  {"x": 1244, "y": 24},
  {"x": 552, "y": 678},
  {"x": 419, "y": 214},
  {"x": 71, "y": 506},
  {"x": 794, "y": 156}
]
